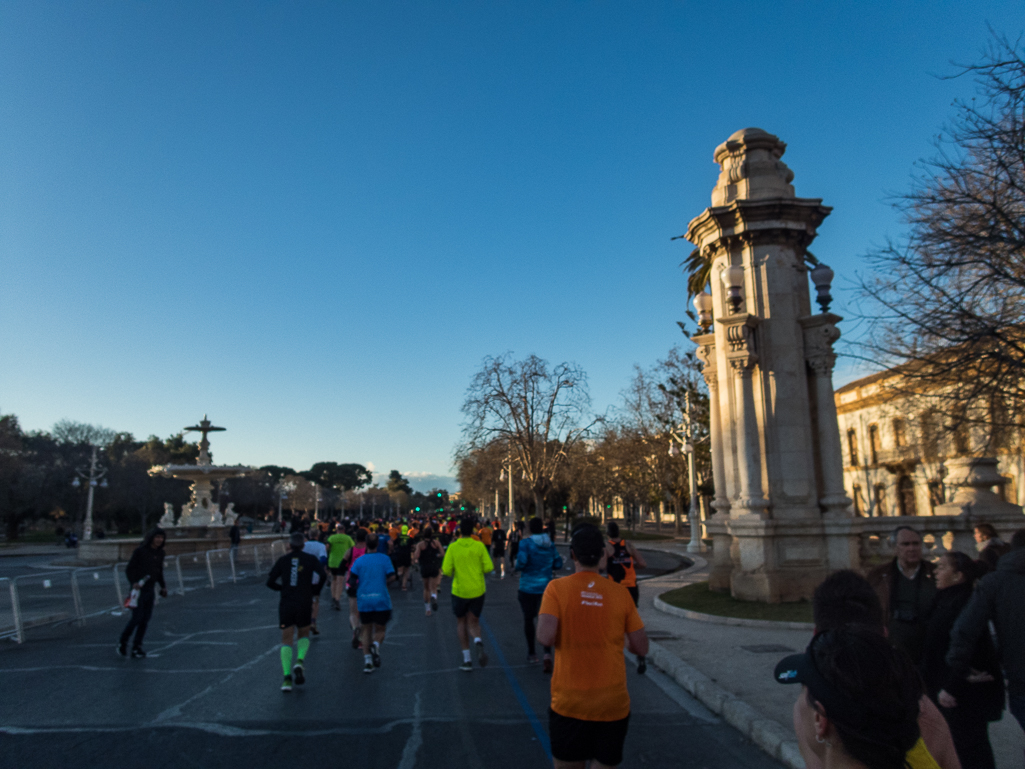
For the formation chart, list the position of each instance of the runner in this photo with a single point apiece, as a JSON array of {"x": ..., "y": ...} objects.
[
  {"x": 402, "y": 550},
  {"x": 498, "y": 539},
  {"x": 317, "y": 549},
  {"x": 515, "y": 535},
  {"x": 536, "y": 562},
  {"x": 372, "y": 573},
  {"x": 358, "y": 550},
  {"x": 623, "y": 560},
  {"x": 585, "y": 617},
  {"x": 466, "y": 562},
  {"x": 428, "y": 554},
  {"x": 295, "y": 572},
  {"x": 338, "y": 546},
  {"x": 485, "y": 534}
]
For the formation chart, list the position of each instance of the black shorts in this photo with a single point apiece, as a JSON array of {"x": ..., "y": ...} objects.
[
  {"x": 293, "y": 615},
  {"x": 375, "y": 617},
  {"x": 462, "y": 605},
  {"x": 338, "y": 571},
  {"x": 429, "y": 572},
  {"x": 497, "y": 552},
  {"x": 635, "y": 594},
  {"x": 401, "y": 559},
  {"x": 351, "y": 592},
  {"x": 576, "y": 740}
]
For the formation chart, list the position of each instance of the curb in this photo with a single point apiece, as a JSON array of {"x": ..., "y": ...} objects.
[
  {"x": 715, "y": 619},
  {"x": 764, "y": 732}
]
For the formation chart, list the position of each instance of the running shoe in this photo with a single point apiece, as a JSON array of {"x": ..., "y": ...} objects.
[
  {"x": 531, "y": 659},
  {"x": 467, "y": 666},
  {"x": 138, "y": 653},
  {"x": 122, "y": 650},
  {"x": 313, "y": 629},
  {"x": 376, "y": 655},
  {"x": 482, "y": 656},
  {"x": 287, "y": 685},
  {"x": 434, "y": 603},
  {"x": 547, "y": 668},
  {"x": 368, "y": 667},
  {"x": 355, "y": 639},
  {"x": 298, "y": 674}
]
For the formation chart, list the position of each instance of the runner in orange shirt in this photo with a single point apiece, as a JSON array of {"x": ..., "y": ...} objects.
[
  {"x": 622, "y": 561},
  {"x": 585, "y": 617}
]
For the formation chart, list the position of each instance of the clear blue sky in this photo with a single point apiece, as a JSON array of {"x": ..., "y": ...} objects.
[{"x": 313, "y": 220}]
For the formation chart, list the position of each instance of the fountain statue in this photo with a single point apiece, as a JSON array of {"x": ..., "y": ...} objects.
[{"x": 200, "y": 510}]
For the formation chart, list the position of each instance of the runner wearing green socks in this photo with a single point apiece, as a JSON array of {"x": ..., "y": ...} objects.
[{"x": 293, "y": 576}]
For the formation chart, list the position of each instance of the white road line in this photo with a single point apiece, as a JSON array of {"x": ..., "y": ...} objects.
[
  {"x": 415, "y": 739},
  {"x": 176, "y": 710},
  {"x": 127, "y": 666}
]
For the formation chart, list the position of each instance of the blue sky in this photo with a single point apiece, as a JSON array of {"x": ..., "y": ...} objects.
[{"x": 312, "y": 220}]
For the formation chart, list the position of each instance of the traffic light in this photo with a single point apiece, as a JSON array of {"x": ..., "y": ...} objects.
[{"x": 418, "y": 509}]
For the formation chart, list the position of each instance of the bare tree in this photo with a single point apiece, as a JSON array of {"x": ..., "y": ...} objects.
[
  {"x": 69, "y": 431},
  {"x": 948, "y": 307},
  {"x": 538, "y": 411}
]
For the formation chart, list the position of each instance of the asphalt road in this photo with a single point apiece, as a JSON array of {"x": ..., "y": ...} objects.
[{"x": 208, "y": 696}]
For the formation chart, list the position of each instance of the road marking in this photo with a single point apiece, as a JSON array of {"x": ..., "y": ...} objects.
[
  {"x": 176, "y": 710},
  {"x": 521, "y": 697},
  {"x": 455, "y": 670},
  {"x": 127, "y": 666},
  {"x": 415, "y": 739}
]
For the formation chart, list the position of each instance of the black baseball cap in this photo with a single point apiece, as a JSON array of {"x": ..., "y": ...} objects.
[{"x": 839, "y": 707}]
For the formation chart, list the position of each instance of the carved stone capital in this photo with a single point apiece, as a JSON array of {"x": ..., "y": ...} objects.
[{"x": 820, "y": 332}]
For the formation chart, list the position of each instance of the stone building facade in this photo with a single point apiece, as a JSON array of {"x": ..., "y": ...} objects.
[{"x": 896, "y": 457}]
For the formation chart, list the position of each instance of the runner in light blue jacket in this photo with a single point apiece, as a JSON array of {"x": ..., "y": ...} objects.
[{"x": 536, "y": 561}]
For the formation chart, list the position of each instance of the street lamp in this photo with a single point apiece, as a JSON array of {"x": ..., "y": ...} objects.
[
  {"x": 507, "y": 476},
  {"x": 703, "y": 304},
  {"x": 93, "y": 478},
  {"x": 822, "y": 277},
  {"x": 733, "y": 280},
  {"x": 684, "y": 434}
]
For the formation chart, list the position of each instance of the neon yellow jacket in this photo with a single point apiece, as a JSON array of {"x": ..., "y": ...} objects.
[{"x": 466, "y": 562}]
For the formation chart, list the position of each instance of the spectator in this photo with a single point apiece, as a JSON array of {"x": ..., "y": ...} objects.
[
  {"x": 846, "y": 598},
  {"x": 235, "y": 535},
  {"x": 585, "y": 618},
  {"x": 990, "y": 546},
  {"x": 145, "y": 570},
  {"x": 906, "y": 587},
  {"x": 844, "y": 717},
  {"x": 999, "y": 599},
  {"x": 968, "y": 704}
]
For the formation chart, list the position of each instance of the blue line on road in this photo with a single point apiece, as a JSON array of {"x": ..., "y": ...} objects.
[{"x": 535, "y": 722}]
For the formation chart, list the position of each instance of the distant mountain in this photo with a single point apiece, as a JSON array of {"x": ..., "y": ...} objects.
[{"x": 423, "y": 482}]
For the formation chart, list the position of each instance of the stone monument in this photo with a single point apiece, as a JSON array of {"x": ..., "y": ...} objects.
[
  {"x": 200, "y": 510},
  {"x": 768, "y": 362}
]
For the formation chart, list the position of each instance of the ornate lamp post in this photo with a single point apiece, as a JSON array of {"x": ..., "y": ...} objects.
[
  {"x": 95, "y": 476},
  {"x": 507, "y": 475},
  {"x": 684, "y": 435}
]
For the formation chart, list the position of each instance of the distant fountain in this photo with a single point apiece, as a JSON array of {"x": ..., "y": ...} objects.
[{"x": 200, "y": 511}]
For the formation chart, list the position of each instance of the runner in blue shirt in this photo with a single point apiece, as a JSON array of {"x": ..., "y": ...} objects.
[{"x": 372, "y": 573}]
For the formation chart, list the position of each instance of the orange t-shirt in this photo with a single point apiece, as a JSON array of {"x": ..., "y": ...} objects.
[
  {"x": 394, "y": 532},
  {"x": 594, "y": 613},
  {"x": 485, "y": 536}
]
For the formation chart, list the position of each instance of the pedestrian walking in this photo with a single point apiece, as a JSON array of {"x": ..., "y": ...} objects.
[
  {"x": 293, "y": 576},
  {"x": 536, "y": 562},
  {"x": 145, "y": 570},
  {"x": 968, "y": 703},
  {"x": 466, "y": 562},
  {"x": 586, "y": 617},
  {"x": 998, "y": 598},
  {"x": 906, "y": 587},
  {"x": 371, "y": 574}
]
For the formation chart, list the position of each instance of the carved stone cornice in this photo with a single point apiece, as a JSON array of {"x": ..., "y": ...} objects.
[
  {"x": 706, "y": 354},
  {"x": 820, "y": 332},
  {"x": 741, "y": 353},
  {"x": 793, "y": 221}
]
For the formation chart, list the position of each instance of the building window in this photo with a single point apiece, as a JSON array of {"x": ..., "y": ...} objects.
[
  {"x": 906, "y": 495},
  {"x": 859, "y": 503},
  {"x": 873, "y": 443},
  {"x": 900, "y": 433},
  {"x": 852, "y": 446},
  {"x": 880, "y": 500}
]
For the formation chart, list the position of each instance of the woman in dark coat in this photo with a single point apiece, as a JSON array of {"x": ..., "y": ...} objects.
[{"x": 968, "y": 704}]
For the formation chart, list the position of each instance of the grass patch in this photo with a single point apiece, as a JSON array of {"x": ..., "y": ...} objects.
[
  {"x": 698, "y": 597},
  {"x": 641, "y": 536}
]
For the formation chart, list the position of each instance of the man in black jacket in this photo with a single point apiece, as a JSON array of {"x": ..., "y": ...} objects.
[
  {"x": 999, "y": 597},
  {"x": 144, "y": 571}
]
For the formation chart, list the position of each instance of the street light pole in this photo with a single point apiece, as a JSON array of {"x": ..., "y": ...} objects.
[
  {"x": 686, "y": 437},
  {"x": 93, "y": 478}
]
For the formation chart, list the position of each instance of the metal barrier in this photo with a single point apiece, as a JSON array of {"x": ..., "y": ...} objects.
[{"x": 76, "y": 595}]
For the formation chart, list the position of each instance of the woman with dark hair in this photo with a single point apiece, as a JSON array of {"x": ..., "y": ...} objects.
[
  {"x": 970, "y": 703},
  {"x": 846, "y": 717}
]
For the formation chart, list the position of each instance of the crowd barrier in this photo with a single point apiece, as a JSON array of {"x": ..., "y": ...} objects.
[{"x": 78, "y": 595}]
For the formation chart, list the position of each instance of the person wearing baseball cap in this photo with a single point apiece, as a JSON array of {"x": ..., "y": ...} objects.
[{"x": 858, "y": 705}]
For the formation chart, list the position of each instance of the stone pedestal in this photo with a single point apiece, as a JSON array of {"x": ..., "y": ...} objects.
[{"x": 768, "y": 364}]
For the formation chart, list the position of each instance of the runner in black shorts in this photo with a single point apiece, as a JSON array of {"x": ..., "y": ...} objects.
[
  {"x": 498, "y": 547},
  {"x": 292, "y": 575},
  {"x": 428, "y": 554}
]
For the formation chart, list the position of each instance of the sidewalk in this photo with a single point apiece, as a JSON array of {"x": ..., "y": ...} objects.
[
  {"x": 7, "y": 551},
  {"x": 729, "y": 668}
]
